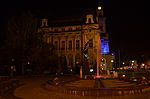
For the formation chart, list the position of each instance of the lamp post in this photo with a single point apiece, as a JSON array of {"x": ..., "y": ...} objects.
[
  {"x": 113, "y": 63},
  {"x": 12, "y": 67},
  {"x": 119, "y": 57}
]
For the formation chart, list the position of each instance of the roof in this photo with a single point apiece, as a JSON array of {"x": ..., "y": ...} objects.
[
  {"x": 65, "y": 21},
  {"x": 69, "y": 20}
]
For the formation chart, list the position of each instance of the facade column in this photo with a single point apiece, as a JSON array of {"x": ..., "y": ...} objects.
[
  {"x": 73, "y": 43},
  {"x": 66, "y": 46},
  {"x": 74, "y": 61},
  {"x": 67, "y": 60}
]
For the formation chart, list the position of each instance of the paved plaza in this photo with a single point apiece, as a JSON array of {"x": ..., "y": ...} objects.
[{"x": 32, "y": 89}]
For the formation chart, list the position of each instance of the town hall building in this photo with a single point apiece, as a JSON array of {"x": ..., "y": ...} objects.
[{"x": 70, "y": 35}]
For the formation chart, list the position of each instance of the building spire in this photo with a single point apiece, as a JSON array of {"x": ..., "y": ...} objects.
[{"x": 100, "y": 2}]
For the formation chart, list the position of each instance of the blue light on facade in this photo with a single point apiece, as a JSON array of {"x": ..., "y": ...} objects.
[
  {"x": 104, "y": 46},
  {"x": 112, "y": 54}
]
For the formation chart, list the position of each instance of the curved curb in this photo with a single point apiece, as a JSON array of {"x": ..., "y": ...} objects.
[{"x": 78, "y": 91}]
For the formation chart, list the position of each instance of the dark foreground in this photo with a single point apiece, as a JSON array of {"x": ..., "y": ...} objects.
[{"x": 32, "y": 88}]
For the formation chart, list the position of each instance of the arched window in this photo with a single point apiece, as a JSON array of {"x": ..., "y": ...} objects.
[
  {"x": 44, "y": 23},
  {"x": 89, "y": 18}
]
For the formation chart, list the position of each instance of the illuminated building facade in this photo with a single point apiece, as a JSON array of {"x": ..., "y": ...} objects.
[{"x": 70, "y": 34}]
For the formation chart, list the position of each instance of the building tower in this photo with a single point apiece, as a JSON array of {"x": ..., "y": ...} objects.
[{"x": 105, "y": 51}]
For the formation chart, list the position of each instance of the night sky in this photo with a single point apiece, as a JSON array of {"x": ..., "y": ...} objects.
[{"x": 127, "y": 21}]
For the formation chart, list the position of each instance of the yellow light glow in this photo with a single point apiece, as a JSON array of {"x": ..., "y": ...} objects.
[
  {"x": 112, "y": 60},
  {"x": 143, "y": 64},
  {"x": 99, "y": 8}
]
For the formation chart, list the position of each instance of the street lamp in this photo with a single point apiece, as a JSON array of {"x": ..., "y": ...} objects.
[
  {"x": 143, "y": 64},
  {"x": 104, "y": 63},
  {"x": 112, "y": 60},
  {"x": 12, "y": 67},
  {"x": 12, "y": 59},
  {"x": 133, "y": 61},
  {"x": 99, "y": 8},
  {"x": 123, "y": 63},
  {"x": 28, "y": 63}
]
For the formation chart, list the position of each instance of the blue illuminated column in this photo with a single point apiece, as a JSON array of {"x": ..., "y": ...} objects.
[{"x": 104, "y": 46}]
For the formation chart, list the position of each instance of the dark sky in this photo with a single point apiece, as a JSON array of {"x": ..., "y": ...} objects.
[{"x": 127, "y": 20}]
